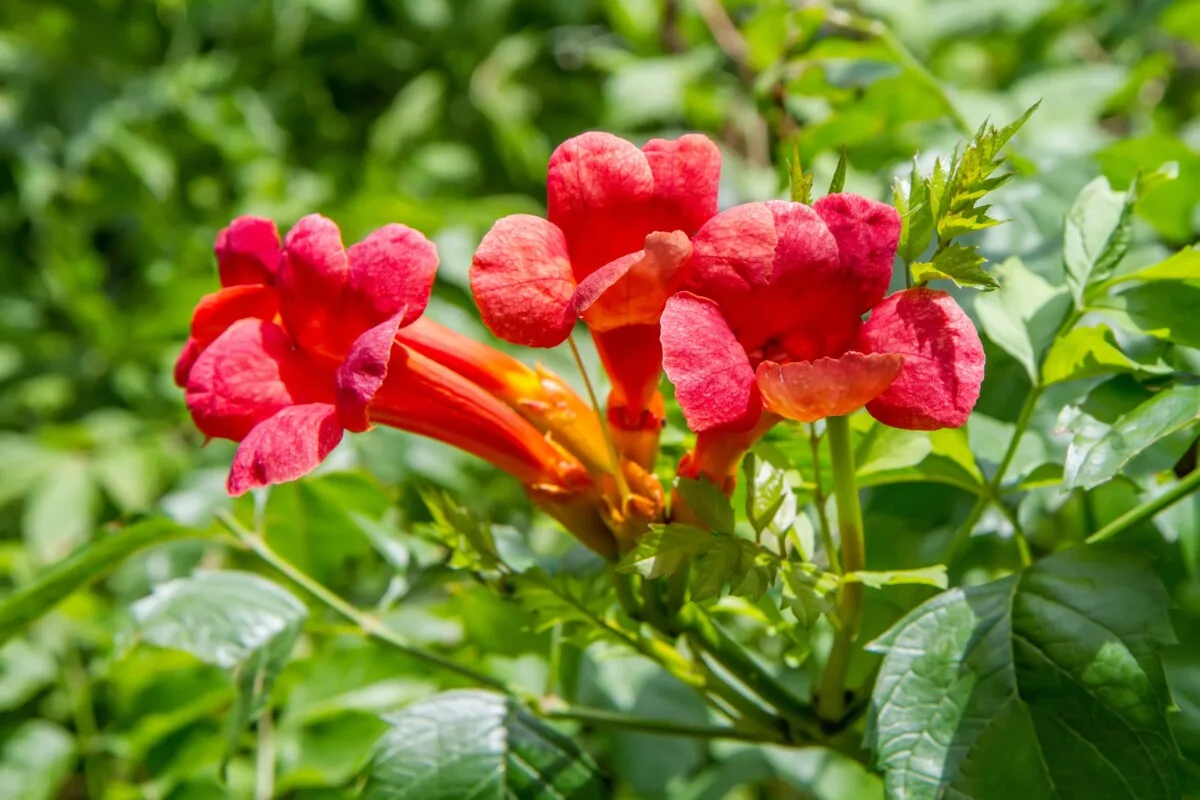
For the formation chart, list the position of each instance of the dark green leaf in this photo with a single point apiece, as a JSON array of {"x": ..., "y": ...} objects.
[
  {"x": 1182, "y": 266},
  {"x": 1045, "y": 684},
  {"x": 808, "y": 592},
  {"x": 476, "y": 745},
  {"x": 708, "y": 502},
  {"x": 1092, "y": 461},
  {"x": 1163, "y": 309},
  {"x": 745, "y": 567}
]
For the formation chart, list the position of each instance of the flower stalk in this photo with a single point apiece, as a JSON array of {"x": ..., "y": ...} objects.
[{"x": 831, "y": 695}]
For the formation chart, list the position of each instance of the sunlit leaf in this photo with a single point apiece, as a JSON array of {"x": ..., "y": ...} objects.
[
  {"x": 926, "y": 576},
  {"x": 1023, "y": 315}
]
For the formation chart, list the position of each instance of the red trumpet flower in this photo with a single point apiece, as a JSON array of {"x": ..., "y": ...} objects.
[
  {"x": 772, "y": 316},
  {"x": 286, "y": 364},
  {"x": 615, "y": 246}
]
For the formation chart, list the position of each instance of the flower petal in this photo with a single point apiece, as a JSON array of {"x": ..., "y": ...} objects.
[
  {"x": 733, "y": 255},
  {"x": 521, "y": 279},
  {"x": 363, "y": 372},
  {"x": 714, "y": 383},
  {"x": 183, "y": 364},
  {"x": 686, "y": 172},
  {"x": 313, "y": 279},
  {"x": 249, "y": 374},
  {"x": 807, "y": 391},
  {"x": 216, "y": 312},
  {"x": 634, "y": 289},
  {"x": 248, "y": 252},
  {"x": 943, "y": 360},
  {"x": 392, "y": 270},
  {"x": 284, "y": 447},
  {"x": 867, "y": 232},
  {"x": 596, "y": 188}
]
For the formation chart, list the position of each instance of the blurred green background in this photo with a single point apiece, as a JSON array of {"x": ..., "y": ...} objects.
[{"x": 131, "y": 131}]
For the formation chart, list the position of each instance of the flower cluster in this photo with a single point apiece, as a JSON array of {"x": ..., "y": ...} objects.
[{"x": 762, "y": 312}]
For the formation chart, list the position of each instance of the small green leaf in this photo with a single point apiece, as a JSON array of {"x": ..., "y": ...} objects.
[
  {"x": 60, "y": 511},
  {"x": 916, "y": 214},
  {"x": 1085, "y": 353},
  {"x": 478, "y": 745},
  {"x": 708, "y": 502},
  {"x": 1092, "y": 462},
  {"x": 664, "y": 549},
  {"x": 1044, "y": 684},
  {"x": 36, "y": 761},
  {"x": 1096, "y": 235},
  {"x": 238, "y": 621},
  {"x": 81, "y": 568},
  {"x": 801, "y": 182},
  {"x": 809, "y": 592},
  {"x": 927, "y": 576},
  {"x": 468, "y": 537},
  {"x": 839, "y": 174},
  {"x": 1023, "y": 315},
  {"x": 746, "y": 568},
  {"x": 770, "y": 502},
  {"x": 957, "y": 263}
]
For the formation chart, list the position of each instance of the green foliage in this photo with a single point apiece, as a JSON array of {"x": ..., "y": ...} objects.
[
  {"x": 479, "y": 745},
  {"x": 1047, "y": 683}
]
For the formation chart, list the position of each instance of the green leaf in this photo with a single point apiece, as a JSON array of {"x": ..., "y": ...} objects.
[
  {"x": 809, "y": 592},
  {"x": 1162, "y": 309},
  {"x": 927, "y": 576},
  {"x": 957, "y": 263},
  {"x": 27, "y": 669},
  {"x": 60, "y": 511},
  {"x": 36, "y": 760},
  {"x": 476, "y": 745},
  {"x": 1085, "y": 353},
  {"x": 1182, "y": 266},
  {"x": 574, "y": 602},
  {"x": 1091, "y": 462},
  {"x": 81, "y": 568},
  {"x": 892, "y": 455},
  {"x": 801, "y": 181},
  {"x": 1023, "y": 315},
  {"x": 1044, "y": 684},
  {"x": 745, "y": 567},
  {"x": 708, "y": 502},
  {"x": 839, "y": 174},
  {"x": 664, "y": 550},
  {"x": 238, "y": 621},
  {"x": 468, "y": 537},
  {"x": 916, "y": 214},
  {"x": 1096, "y": 235},
  {"x": 770, "y": 502}
]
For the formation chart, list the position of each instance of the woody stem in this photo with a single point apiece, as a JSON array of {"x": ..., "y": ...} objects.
[
  {"x": 618, "y": 475},
  {"x": 831, "y": 696}
]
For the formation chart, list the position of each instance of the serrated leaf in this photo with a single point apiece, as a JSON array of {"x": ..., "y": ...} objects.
[
  {"x": 1097, "y": 234},
  {"x": 1086, "y": 352},
  {"x": 770, "y": 502},
  {"x": 1093, "y": 460},
  {"x": 957, "y": 263},
  {"x": 707, "y": 501},
  {"x": 916, "y": 213},
  {"x": 1044, "y": 684},
  {"x": 839, "y": 174},
  {"x": 664, "y": 549},
  {"x": 477, "y": 745},
  {"x": 809, "y": 592},
  {"x": 238, "y": 621},
  {"x": 574, "y": 602},
  {"x": 1023, "y": 315},
  {"x": 745, "y": 567},
  {"x": 926, "y": 576},
  {"x": 468, "y": 537}
]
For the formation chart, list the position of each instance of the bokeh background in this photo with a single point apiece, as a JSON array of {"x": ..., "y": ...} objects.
[{"x": 131, "y": 131}]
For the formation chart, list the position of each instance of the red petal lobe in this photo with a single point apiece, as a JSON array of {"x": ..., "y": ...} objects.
[
  {"x": 687, "y": 172},
  {"x": 363, "y": 372},
  {"x": 714, "y": 383},
  {"x": 943, "y": 360},
  {"x": 313, "y": 280},
  {"x": 867, "y": 232},
  {"x": 634, "y": 289},
  {"x": 521, "y": 279},
  {"x": 284, "y": 447},
  {"x": 807, "y": 391},
  {"x": 390, "y": 270},
  {"x": 248, "y": 252}
]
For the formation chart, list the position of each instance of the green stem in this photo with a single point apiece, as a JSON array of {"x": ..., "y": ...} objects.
[
  {"x": 1148, "y": 509},
  {"x": 616, "y": 719},
  {"x": 747, "y": 708},
  {"x": 992, "y": 490},
  {"x": 371, "y": 626},
  {"x": 554, "y": 662},
  {"x": 835, "y": 563},
  {"x": 831, "y": 695},
  {"x": 264, "y": 758},
  {"x": 712, "y": 639},
  {"x": 623, "y": 583},
  {"x": 83, "y": 713},
  {"x": 614, "y": 457}
]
